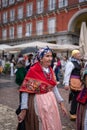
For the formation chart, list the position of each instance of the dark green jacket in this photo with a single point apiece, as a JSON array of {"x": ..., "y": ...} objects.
[{"x": 20, "y": 74}]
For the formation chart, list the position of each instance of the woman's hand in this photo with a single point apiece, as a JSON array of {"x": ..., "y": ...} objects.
[
  {"x": 66, "y": 87},
  {"x": 63, "y": 109},
  {"x": 22, "y": 115}
]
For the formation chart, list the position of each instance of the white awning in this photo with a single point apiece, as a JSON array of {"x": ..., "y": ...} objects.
[
  {"x": 55, "y": 47},
  {"x": 4, "y": 46}
]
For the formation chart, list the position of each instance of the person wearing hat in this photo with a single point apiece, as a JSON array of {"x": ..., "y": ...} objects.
[
  {"x": 81, "y": 120},
  {"x": 72, "y": 80}
]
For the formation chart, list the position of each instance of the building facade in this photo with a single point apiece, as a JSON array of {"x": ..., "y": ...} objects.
[{"x": 54, "y": 21}]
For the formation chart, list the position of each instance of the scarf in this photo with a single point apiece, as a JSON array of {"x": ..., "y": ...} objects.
[
  {"x": 36, "y": 81},
  {"x": 82, "y": 97},
  {"x": 74, "y": 59}
]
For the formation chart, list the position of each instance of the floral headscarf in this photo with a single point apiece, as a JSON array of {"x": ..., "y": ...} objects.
[{"x": 42, "y": 52}]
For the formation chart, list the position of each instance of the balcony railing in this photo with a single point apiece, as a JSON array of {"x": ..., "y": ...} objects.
[
  {"x": 34, "y": 34},
  {"x": 73, "y": 2},
  {"x": 52, "y": 6},
  {"x": 7, "y": 4}
]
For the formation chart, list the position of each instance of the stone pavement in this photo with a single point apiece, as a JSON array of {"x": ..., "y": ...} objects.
[
  {"x": 9, "y": 102},
  {"x": 8, "y": 119}
]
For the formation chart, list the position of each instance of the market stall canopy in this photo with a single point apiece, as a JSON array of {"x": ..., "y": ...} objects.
[
  {"x": 83, "y": 40},
  {"x": 3, "y": 47},
  {"x": 55, "y": 47},
  {"x": 32, "y": 44},
  {"x": 65, "y": 47}
]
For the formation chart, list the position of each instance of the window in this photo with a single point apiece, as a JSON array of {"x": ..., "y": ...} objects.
[
  {"x": 51, "y": 25},
  {"x": 28, "y": 29},
  {"x": 11, "y": 32},
  {"x": 12, "y": 15},
  {"x": 82, "y": 0},
  {"x": 29, "y": 9},
  {"x": 11, "y": 2},
  {"x": 19, "y": 31},
  {"x": 63, "y": 3},
  {"x": 5, "y": 17},
  {"x": 4, "y": 34},
  {"x": 39, "y": 28},
  {"x": 4, "y": 3},
  {"x": 20, "y": 12},
  {"x": 40, "y": 5},
  {"x": 52, "y": 4}
]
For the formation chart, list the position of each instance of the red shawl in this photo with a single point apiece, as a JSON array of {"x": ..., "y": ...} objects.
[{"x": 36, "y": 81}]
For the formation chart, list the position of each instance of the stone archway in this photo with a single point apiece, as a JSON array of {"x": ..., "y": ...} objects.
[
  {"x": 76, "y": 20},
  {"x": 75, "y": 24}
]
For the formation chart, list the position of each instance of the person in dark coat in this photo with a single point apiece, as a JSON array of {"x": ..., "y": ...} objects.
[{"x": 72, "y": 81}]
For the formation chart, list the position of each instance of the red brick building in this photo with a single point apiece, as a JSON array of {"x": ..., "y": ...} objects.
[{"x": 55, "y": 21}]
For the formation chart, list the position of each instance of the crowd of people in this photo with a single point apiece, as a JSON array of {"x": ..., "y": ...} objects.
[
  {"x": 39, "y": 93},
  {"x": 38, "y": 77},
  {"x": 14, "y": 61}
]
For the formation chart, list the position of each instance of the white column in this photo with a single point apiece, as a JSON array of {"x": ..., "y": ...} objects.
[{"x": 12, "y": 69}]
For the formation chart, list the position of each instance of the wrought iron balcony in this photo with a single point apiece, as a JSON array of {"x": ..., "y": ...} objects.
[
  {"x": 33, "y": 34},
  {"x": 6, "y": 5}
]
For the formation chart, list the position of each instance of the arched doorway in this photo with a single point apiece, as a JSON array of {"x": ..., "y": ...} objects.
[{"x": 75, "y": 24}]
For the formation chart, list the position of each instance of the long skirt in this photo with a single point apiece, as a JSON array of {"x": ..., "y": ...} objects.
[
  {"x": 81, "y": 121},
  {"x": 43, "y": 113}
]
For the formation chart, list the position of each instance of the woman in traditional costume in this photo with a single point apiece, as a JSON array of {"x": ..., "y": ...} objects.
[
  {"x": 82, "y": 105},
  {"x": 39, "y": 108}
]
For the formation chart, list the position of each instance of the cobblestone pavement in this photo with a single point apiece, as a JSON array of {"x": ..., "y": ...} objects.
[{"x": 9, "y": 102}]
